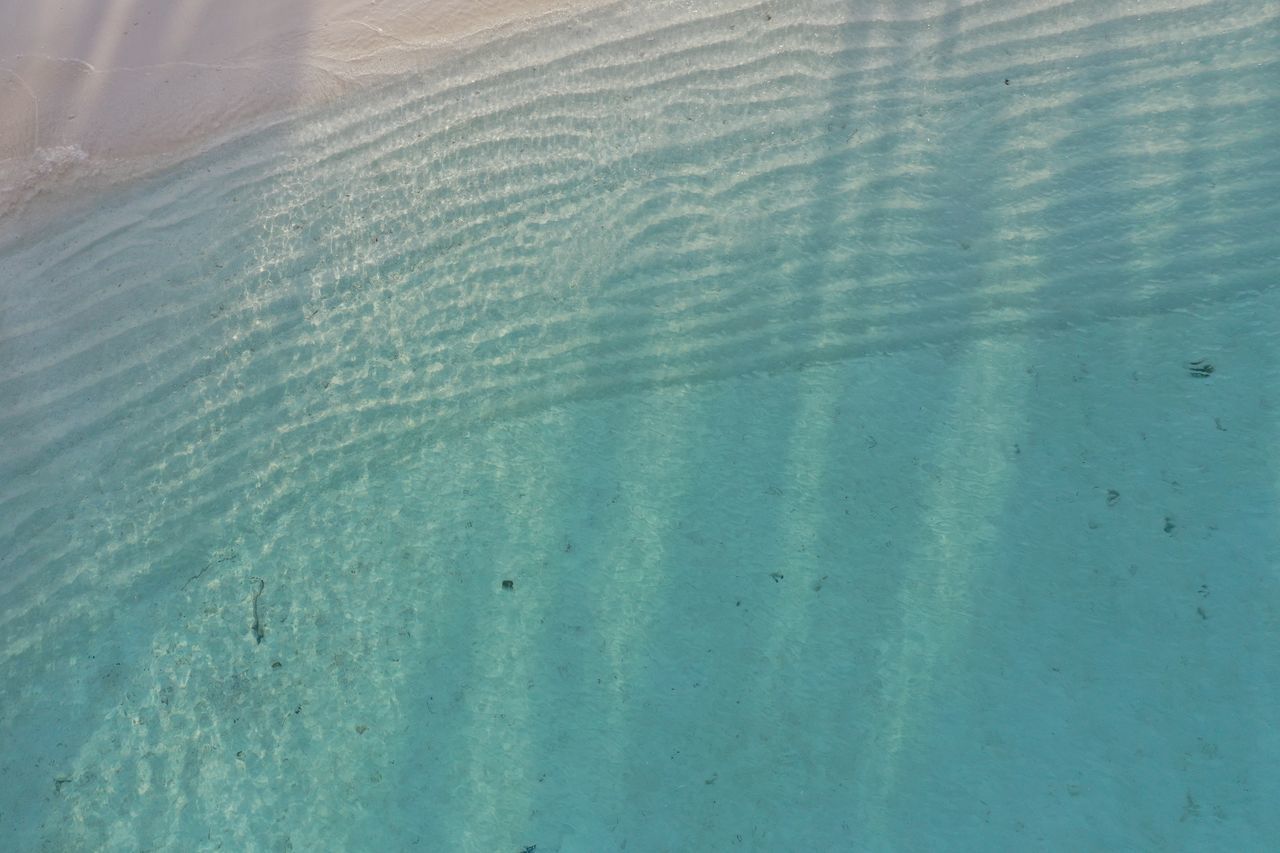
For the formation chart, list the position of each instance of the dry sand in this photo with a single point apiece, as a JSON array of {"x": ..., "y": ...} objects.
[{"x": 93, "y": 92}]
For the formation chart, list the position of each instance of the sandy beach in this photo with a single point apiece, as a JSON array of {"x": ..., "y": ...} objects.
[{"x": 94, "y": 92}]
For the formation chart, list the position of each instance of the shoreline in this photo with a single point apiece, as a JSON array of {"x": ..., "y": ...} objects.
[{"x": 134, "y": 88}]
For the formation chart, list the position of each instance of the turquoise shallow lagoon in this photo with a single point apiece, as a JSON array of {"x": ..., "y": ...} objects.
[{"x": 783, "y": 427}]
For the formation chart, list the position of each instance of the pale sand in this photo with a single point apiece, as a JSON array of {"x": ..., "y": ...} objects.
[{"x": 95, "y": 92}]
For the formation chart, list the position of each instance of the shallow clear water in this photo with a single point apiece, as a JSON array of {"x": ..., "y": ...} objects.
[{"x": 830, "y": 383}]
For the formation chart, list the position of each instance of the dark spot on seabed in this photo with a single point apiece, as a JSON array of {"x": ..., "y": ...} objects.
[
  {"x": 1200, "y": 369},
  {"x": 259, "y": 632}
]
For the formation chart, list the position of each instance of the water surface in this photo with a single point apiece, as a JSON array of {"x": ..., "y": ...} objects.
[{"x": 871, "y": 408}]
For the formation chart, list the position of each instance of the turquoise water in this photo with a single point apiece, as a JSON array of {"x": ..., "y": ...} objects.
[{"x": 830, "y": 382}]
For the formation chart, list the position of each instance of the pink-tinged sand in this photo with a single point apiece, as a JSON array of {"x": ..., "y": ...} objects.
[{"x": 93, "y": 92}]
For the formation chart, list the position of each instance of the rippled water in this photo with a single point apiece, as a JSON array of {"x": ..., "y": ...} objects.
[{"x": 872, "y": 407}]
